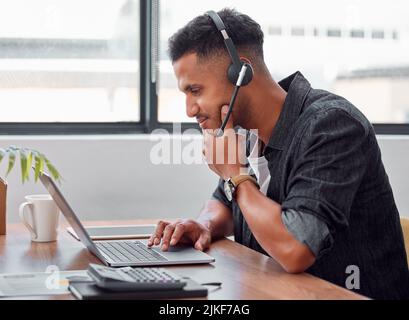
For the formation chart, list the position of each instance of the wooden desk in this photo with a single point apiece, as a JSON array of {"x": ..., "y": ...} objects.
[{"x": 245, "y": 274}]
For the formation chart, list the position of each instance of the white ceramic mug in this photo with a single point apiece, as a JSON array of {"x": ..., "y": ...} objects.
[{"x": 40, "y": 215}]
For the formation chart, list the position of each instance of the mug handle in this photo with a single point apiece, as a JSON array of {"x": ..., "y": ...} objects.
[{"x": 23, "y": 217}]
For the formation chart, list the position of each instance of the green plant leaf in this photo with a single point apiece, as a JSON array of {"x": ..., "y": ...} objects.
[
  {"x": 23, "y": 160},
  {"x": 42, "y": 164},
  {"x": 29, "y": 164},
  {"x": 12, "y": 160},
  {"x": 54, "y": 172},
  {"x": 27, "y": 157},
  {"x": 39, "y": 165}
]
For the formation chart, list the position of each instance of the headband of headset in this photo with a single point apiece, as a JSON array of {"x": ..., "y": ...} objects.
[
  {"x": 234, "y": 69},
  {"x": 227, "y": 40}
]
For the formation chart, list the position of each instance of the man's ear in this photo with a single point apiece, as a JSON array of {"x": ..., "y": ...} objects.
[{"x": 246, "y": 60}]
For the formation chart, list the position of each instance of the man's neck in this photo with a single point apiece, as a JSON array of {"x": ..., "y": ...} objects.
[{"x": 266, "y": 105}]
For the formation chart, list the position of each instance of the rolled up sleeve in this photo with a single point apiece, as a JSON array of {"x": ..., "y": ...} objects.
[
  {"x": 324, "y": 179},
  {"x": 309, "y": 230}
]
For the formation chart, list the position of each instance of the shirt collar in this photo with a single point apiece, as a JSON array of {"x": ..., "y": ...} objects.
[{"x": 297, "y": 88}]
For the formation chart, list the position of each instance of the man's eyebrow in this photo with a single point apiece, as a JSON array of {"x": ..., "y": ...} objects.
[{"x": 189, "y": 86}]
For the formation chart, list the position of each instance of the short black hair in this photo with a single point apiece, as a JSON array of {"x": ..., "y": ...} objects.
[{"x": 201, "y": 36}]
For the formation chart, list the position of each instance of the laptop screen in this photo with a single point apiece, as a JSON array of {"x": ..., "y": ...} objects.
[{"x": 69, "y": 214}]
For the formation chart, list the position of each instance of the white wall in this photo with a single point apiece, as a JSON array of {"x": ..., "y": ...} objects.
[
  {"x": 112, "y": 177},
  {"x": 395, "y": 155}
]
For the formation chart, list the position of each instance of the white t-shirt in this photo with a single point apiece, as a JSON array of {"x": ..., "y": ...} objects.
[{"x": 259, "y": 165}]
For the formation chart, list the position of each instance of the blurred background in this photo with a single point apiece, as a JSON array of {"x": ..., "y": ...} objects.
[{"x": 79, "y": 62}]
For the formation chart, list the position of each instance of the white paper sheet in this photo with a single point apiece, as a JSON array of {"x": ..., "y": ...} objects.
[{"x": 39, "y": 283}]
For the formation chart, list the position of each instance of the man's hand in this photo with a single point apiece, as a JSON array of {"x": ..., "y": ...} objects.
[
  {"x": 183, "y": 231},
  {"x": 225, "y": 155}
]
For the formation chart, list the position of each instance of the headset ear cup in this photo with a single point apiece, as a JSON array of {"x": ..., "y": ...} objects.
[
  {"x": 248, "y": 76},
  {"x": 233, "y": 74}
]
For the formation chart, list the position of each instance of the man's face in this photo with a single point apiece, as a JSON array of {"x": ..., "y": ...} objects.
[{"x": 206, "y": 87}]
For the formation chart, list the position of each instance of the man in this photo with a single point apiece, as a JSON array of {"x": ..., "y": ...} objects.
[{"x": 322, "y": 202}]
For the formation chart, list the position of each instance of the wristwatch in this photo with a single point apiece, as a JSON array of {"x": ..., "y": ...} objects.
[{"x": 231, "y": 184}]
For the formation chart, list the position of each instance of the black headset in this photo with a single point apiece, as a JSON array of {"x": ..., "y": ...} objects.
[{"x": 239, "y": 73}]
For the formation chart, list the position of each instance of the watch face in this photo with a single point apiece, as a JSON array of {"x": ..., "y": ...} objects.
[{"x": 228, "y": 190}]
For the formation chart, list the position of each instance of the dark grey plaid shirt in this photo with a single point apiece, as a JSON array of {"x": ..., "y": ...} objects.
[{"x": 327, "y": 174}]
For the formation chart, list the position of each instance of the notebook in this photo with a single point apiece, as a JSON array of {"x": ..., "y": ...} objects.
[
  {"x": 89, "y": 291},
  {"x": 117, "y": 232}
]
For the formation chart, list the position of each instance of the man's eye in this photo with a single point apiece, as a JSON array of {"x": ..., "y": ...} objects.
[{"x": 195, "y": 91}]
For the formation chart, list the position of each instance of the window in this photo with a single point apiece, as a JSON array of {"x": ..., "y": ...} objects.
[
  {"x": 361, "y": 68},
  {"x": 378, "y": 34},
  {"x": 357, "y": 33},
  {"x": 69, "y": 61},
  {"x": 274, "y": 30},
  {"x": 101, "y": 66},
  {"x": 333, "y": 32},
  {"x": 297, "y": 31}
]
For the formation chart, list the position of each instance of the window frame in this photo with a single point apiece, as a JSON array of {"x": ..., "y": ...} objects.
[
  {"x": 391, "y": 128},
  {"x": 149, "y": 72},
  {"x": 91, "y": 128}
]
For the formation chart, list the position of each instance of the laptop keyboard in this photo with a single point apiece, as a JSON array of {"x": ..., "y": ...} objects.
[{"x": 128, "y": 251}]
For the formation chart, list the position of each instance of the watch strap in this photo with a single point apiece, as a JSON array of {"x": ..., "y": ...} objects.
[{"x": 237, "y": 180}]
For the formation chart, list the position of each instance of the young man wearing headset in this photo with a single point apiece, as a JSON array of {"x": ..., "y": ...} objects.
[{"x": 319, "y": 199}]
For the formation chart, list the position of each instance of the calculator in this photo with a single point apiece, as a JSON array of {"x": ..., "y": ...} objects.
[{"x": 135, "y": 279}]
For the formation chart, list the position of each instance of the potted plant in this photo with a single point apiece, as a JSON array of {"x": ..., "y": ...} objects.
[{"x": 29, "y": 158}]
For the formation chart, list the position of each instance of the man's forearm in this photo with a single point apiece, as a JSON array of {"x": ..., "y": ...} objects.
[
  {"x": 263, "y": 216},
  {"x": 217, "y": 218}
]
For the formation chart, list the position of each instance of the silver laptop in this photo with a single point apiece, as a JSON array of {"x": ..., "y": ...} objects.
[{"x": 120, "y": 253}]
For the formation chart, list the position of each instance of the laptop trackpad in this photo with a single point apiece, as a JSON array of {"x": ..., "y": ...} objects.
[{"x": 176, "y": 253}]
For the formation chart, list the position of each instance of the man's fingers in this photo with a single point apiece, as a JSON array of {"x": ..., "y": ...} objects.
[
  {"x": 157, "y": 235},
  {"x": 241, "y": 151},
  {"x": 177, "y": 234},
  {"x": 167, "y": 234},
  {"x": 216, "y": 150},
  {"x": 159, "y": 232},
  {"x": 203, "y": 242},
  {"x": 224, "y": 111},
  {"x": 172, "y": 233},
  {"x": 209, "y": 146}
]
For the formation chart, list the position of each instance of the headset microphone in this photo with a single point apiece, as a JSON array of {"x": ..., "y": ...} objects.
[
  {"x": 242, "y": 73},
  {"x": 239, "y": 73}
]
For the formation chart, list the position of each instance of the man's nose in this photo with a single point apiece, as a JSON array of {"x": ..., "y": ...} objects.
[{"x": 192, "y": 109}]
